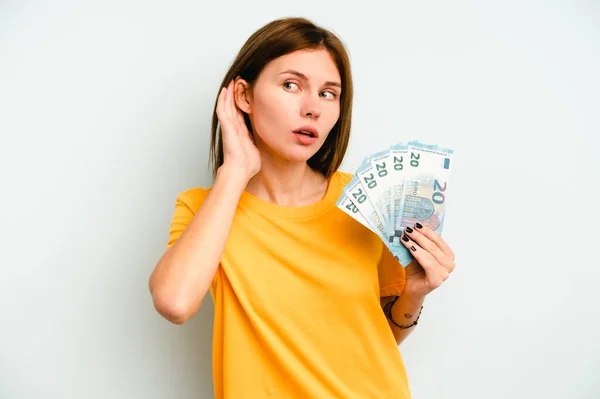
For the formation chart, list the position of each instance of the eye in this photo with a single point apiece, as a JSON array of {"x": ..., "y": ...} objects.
[
  {"x": 287, "y": 84},
  {"x": 332, "y": 94}
]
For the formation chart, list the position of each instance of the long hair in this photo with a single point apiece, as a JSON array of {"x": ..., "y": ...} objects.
[{"x": 276, "y": 39}]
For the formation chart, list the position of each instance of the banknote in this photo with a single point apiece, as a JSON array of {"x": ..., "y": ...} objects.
[
  {"x": 346, "y": 205},
  {"x": 424, "y": 194},
  {"x": 367, "y": 173},
  {"x": 382, "y": 164},
  {"x": 394, "y": 188},
  {"x": 357, "y": 195},
  {"x": 398, "y": 154}
]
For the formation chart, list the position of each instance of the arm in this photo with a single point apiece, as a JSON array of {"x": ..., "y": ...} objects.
[
  {"x": 433, "y": 263},
  {"x": 185, "y": 272},
  {"x": 183, "y": 275},
  {"x": 405, "y": 311}
]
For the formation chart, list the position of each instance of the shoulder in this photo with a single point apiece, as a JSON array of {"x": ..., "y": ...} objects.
[
  {"x": 186, "y": 206},
  {"x": 344, "y": 177},
  {"x": 193, "y": 198}
]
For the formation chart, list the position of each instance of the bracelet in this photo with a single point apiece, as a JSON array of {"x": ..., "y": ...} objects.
[{"x": 387, "y": 310}]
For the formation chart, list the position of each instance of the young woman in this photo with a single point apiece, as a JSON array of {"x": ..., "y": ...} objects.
[{"x": 303, "y": 294}]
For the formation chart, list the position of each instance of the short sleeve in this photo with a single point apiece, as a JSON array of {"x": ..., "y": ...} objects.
[
  {"x": 186, "y": 206},
  {"x": 391, "y": 274}
]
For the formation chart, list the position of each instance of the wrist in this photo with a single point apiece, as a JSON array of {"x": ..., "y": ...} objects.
[
  {"x": 401, "y": 312},
  {"x": 414, "y": 299},
  {"x": 233, "y": 172}
]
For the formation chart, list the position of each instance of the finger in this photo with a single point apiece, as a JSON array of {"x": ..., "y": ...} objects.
[
  {"x": 236, "y": 110},
  {"x": 233, "y": 110},
  {"x": 230, "y": 102},
  {"x": 227, "y": 101},
  {"x": 435, "y": 237},
  {"x": 220, "y": 101},
  {"x": 241, "y": 120},
  {"x": 431, "y": 247},
  {"x": 239, "y": 116},
  {"x": 435, "y": 274}
]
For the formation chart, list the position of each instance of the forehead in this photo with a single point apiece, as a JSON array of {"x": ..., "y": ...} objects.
[{"x": 317, "y": 65}]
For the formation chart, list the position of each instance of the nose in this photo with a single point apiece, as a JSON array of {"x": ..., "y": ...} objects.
[{"x": 310, "y": 107}]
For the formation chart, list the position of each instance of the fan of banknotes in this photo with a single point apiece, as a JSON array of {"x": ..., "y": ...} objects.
[{"x": 397, "y": 187}]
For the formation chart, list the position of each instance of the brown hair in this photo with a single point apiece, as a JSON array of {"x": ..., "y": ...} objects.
[{"x": 276, "y": 39}]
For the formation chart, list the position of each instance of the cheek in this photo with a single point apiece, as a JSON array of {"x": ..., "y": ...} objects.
[
  {"x": 332, "y": 117},
  {"x": 272, "y": 116}
]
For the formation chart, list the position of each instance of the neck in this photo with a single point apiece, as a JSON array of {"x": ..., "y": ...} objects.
[{"x": 289, "y": 184}]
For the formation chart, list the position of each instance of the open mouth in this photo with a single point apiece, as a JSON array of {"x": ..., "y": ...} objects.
[{"x": 305, "y": 133}]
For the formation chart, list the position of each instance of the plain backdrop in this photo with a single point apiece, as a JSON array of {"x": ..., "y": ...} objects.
[{"x": 105, "y": 111}]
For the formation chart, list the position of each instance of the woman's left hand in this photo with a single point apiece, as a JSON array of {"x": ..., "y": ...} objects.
[{"x": 433, "y": 263}]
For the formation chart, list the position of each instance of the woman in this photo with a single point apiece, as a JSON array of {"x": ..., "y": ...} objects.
[{"x": 299, "y": 287}]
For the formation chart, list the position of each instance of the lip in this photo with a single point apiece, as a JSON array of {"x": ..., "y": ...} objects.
[{"x": 310, "y": 129}]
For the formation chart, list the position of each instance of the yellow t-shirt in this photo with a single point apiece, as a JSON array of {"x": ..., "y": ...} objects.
[{"x": 297, "y": 302}]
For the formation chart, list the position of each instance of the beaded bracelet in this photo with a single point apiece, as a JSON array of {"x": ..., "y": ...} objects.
[{"x": 387, "y": 310}]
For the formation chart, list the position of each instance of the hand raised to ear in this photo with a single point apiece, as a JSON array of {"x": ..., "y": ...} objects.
[{"x": 239, "y": 149}]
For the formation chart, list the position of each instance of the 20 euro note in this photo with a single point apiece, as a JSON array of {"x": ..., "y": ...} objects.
[
  {"x": 357, "y": 196},
  {"x": 424, "y": 197},
  {"x": 398, "y": 155},
  {"x": 346, "y": 205},
  {"x": 368, "y": 173},
  {"x": 382, "y": 165}
]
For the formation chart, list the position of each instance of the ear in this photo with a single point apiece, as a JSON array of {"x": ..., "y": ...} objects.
[{"x": 242, "y": 95}]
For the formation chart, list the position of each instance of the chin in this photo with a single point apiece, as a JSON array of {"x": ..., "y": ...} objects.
[
  {"x": 298, "y": 154},
  {"x": 299, "y": 157},
  {"x": 290, "y": 150}
]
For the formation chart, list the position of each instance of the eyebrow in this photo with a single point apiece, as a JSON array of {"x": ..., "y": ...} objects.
[{"x": 304, "y": 77}]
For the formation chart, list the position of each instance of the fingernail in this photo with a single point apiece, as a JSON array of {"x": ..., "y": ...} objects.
[
  {"x": 409, "y": 229},
  {"x": 413, "y": 248},
  {"x": 418, "y": 226},
  {"x": 405, "y": 238}
]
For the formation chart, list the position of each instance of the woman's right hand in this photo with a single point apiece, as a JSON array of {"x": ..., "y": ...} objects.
[{"x": 239, "y": 149}]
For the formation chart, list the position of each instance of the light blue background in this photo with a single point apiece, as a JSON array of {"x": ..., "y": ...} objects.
[{"x": 104, "y": 117}]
